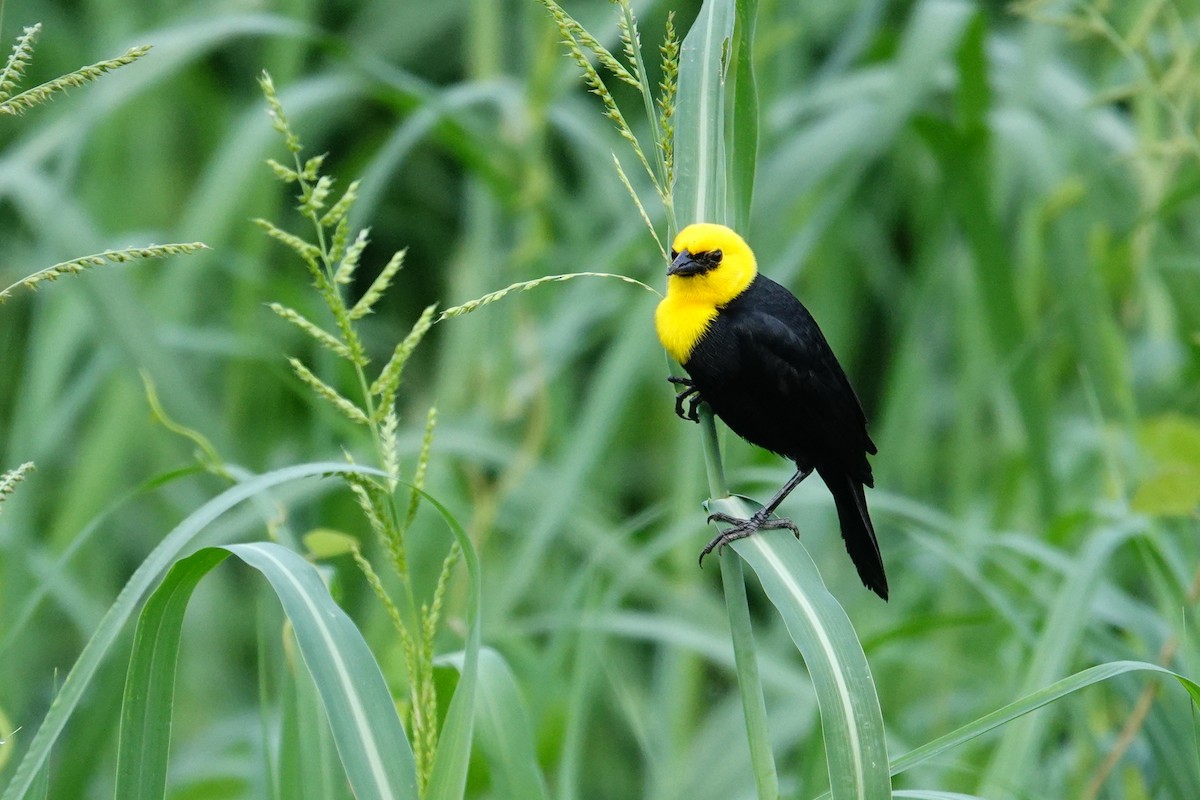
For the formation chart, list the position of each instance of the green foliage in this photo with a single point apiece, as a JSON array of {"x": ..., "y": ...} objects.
[
  {"x": 366, "y": 730},
  {"x": 992, "y": 215},
  {"x": 15, "y": 104},
  {"x": 332, "y": 261}
]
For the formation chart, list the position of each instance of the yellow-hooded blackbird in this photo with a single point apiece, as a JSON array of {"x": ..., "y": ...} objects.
[{"x": 756, "y": 356}]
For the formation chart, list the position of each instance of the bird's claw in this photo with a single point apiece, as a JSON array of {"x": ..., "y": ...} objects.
[
  {"x": 743, "y": 528},
  {"x": 689, "y": 391}
]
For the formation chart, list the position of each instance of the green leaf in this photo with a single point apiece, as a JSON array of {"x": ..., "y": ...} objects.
[
  {"x": 1031, "y": 702},
  {"x": 362, "y": 715},
  {"x": 1172, "y": 438},
  {"x": 851, "y": 721},
  {"x": 1172, "y": 491},
  {"x": 700, "y": 116},
  {"x": 754, "y": 707},
  {"x": 309, "y": 768},
  {"x": 328, "y": 543},
  {"x": 449, "y": 777},
  {"x": 1067, "y": 620},
  {"x": 743, "y": 143},
  {"x": 6, "y": 743},
  {"x": 1172, "y": 487},
  {"x": 366, "y": 729},
  {"x": 143, "y": 578},
  {"x": 146, "y": 713},
  {"x": 504, "y": 733}
]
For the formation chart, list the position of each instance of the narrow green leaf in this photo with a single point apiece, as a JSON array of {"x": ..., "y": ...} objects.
[
  {"x": 1032, "y": 702},
  {"x": 308, "y": 761},
  {"x": 366, "y": 728},
  {"x": 700, "y": 116},
  {"x": 449, "y": 777},
  {"x": 145, "y": 734},
  {"x": 6, "y": 739},
  {"x": 851, "y": 720},
  {"x": 504, "y": 733},
  {"x": 743, "y": 144},
  {"x": 733, "y": 580},
  {"x": 1068, "y": 618},
  {"x": 143, "y": 578}
]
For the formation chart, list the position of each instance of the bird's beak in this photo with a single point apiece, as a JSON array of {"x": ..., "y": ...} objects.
[{"x": 685, "y": 265}]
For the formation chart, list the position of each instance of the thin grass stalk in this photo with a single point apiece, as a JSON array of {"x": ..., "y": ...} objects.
[
  {"x": 736, "y": 604},
  {"x": 754, "y": 706}
]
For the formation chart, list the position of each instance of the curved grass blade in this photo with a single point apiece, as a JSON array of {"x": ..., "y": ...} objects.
[
  {"x": 362, "y": 715},
  {"x": 143, "y": 578},
  {"x": 1031, "y": 702},
  {"x": 366, "y": 729},
  {"x": 851, "y": 720},
  {"x": 449, "y": 777},
  {"x": 146, "y": 711},
  {"x": 1067, "y": 619},
  {"x": 504, "y": 732}
]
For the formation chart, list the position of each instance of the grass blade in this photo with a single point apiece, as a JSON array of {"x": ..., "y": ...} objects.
[
  {"x": 700, "y": 116},
  {"x": 744, "y": 131},
  {"x": 146, "y": 712},
  {"x": 733, "y": 580},
  {"x": 1032, "y": 702},
  {"x": 366, "y": 729},
  {"x": 504, "y": 732},
  {"x": 449, "y": 777},
  {"x": 850, "y": 716},
  {"x": 362, "y": 715},
  {"x": 110, "y": 627}
]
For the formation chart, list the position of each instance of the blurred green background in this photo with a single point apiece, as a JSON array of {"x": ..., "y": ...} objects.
[{"x": 991, "y": 210}]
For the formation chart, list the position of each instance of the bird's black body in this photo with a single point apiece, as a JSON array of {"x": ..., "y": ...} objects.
[{"x": 766, "y": 370}]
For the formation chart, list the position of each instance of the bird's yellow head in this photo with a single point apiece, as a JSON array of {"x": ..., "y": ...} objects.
[{"x": 710, "y": 265}]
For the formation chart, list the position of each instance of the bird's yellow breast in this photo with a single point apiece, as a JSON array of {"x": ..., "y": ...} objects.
[
  {"x": 694, "y": 300},
  {"x": 681, "y": 322}
]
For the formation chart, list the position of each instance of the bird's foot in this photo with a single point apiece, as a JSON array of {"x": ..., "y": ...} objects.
[
  {"x": 742, "y": 528},
  {"x": 689, "y": 391}
]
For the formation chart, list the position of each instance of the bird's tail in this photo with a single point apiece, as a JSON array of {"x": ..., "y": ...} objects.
[{"x": 857, "y": 531}]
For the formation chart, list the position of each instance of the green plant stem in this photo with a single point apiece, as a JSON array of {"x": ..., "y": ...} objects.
[
  {"x": 712, "y": 454},
  {"x": 736, "y": 605},
  {"x": 749, "y": 684}
]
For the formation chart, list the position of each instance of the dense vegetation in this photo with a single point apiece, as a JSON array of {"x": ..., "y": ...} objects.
[{"x": 991, "y": 210}]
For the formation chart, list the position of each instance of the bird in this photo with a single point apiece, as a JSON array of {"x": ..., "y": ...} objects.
[{"x": 754, "y": 354}]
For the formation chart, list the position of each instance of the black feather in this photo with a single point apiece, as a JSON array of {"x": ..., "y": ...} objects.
[{"x": 767, "y": 371}]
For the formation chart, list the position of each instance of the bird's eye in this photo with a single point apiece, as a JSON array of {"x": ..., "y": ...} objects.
[{"x": 714, "y": 256}]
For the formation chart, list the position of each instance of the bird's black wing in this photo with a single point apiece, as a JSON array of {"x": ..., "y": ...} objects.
[
  {"x": 818, "y": 409},
  {"x": 826, "y": 419}
]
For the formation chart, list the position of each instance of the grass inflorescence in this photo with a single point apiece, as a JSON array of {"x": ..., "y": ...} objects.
[{"x": 333, "y": 257}]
